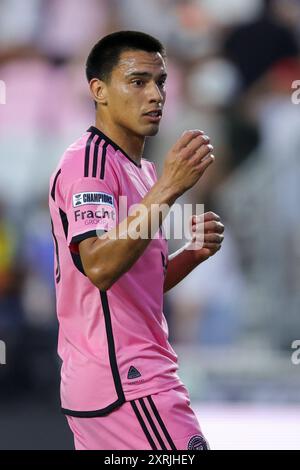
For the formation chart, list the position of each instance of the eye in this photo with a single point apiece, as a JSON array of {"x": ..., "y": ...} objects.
[
  {"x": 162, "y": 83},
  {"x": 138, "y": 82}
]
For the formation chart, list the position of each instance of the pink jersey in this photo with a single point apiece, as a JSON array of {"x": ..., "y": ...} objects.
[{"x": 114, "y": 344}]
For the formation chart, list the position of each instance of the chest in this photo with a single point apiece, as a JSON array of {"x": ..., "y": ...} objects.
[{"x": 136, "y": 183}]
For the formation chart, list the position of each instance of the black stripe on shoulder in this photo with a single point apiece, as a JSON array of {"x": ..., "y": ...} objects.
[
  {"x": 143, "y": 426},
  {"x": 95, "y": 159},
  {"x": 87, "y": 155},
  {"x": 103, "y": 160},
  {"x": 97, "y": 131},
  {"x": 54, "y": 184}
]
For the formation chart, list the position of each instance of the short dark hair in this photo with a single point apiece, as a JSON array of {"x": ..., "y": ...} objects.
[{"x": 105, "y": 54}]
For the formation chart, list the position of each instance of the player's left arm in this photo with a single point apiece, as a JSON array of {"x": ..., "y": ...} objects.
[{"x": 207, "y": 237}]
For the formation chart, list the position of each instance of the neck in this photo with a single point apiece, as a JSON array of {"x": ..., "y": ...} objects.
[{"x": 132, "y": 144}]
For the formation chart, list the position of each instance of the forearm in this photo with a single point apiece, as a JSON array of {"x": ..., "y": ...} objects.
[
  {"x": 107, "y": 258},
  {"x": 181, "y": 263},
  {"x": 114, "y": 253}
]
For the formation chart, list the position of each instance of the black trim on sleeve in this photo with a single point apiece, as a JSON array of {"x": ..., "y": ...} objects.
[
  {"x": 64, "y": 221},
  {"x": 90, "y": 234},
  {"x": 94, "y": 130},
  {"x": 57, "y": 271},
  {"x": 75, "y": 256},
  {"x": 83, "y": 236},
  {"x": 54, "y": 184}
]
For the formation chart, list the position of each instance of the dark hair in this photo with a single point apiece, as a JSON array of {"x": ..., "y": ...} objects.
[{"x": 105, "y": 54}]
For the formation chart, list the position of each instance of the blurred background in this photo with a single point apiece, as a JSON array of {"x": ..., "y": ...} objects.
[{"x": 233, "y": 320}]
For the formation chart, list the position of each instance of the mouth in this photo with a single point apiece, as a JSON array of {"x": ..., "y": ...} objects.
[{"x": 154, "y": 116}]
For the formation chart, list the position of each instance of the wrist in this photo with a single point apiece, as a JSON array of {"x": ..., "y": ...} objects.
[
  {"x": 167, "y": 191},
  {"x": 197, "y": 255}
]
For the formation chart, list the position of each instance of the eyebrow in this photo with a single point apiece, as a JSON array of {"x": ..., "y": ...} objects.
[{"x": 145, "y": 74}]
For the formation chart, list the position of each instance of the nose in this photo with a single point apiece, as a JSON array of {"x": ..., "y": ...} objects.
[{"x": 155, "y": 94}]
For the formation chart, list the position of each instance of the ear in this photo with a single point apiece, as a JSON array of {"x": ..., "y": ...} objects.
[{"x": 98, "y": 90}]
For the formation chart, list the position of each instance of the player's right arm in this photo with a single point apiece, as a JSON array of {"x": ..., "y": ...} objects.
[{"x": 106, "y": 258}]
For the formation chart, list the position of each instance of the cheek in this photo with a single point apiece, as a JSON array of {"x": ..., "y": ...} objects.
[
  {"x": 125, "y": 103},
  {"x": 124, "y": 100}
]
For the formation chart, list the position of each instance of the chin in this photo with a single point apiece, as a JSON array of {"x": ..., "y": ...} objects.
[{"x": 153, "y": 130}]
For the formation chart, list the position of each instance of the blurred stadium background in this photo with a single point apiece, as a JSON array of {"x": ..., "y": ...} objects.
[{"x": 232, "y": 322}]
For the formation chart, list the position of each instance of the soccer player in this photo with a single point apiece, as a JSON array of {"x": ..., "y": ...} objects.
[{"x": 119, "y": 382}]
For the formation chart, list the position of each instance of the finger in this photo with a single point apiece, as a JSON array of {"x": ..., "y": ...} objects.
[
  {"x": 212, "y": 246},
  {"x": 213, "y": 238},
  {"x": 187, "y": 137},
  {"x": 193, "y": 219},
  {"x": 212, "y": 226},
  {"x": 206, "y": 216},
  {"x": 203, "y": 152},
  {"x": 200, "y": 155},
  {"x": 205, "y": 163},
  {"x": 194, "y": 145},
  {"x": 197, "y": 150},
  {"x": 211, "y": 216},
  {"x": 209, "y": 237}
]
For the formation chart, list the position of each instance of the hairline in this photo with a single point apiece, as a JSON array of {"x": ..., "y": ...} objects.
[{"x": 132, "y": 49}]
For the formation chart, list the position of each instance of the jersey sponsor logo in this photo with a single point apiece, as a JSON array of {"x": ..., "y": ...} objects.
[
  {"x": 197, "y": 442},
  {"x": 103, "y": 217},
  {"x": 102, "y": 212},
  {"x": 80, "y": 199},
  {"x": 133, "y": 373}
]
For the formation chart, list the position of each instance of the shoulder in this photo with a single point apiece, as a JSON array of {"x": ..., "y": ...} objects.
[{"x": 90, "y": 157}]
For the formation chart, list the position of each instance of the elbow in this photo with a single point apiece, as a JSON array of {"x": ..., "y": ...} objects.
[{"x": 101, "y": 278}]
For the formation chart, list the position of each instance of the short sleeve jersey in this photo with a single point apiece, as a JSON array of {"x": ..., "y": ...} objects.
[{"x": 113, "y": 344}]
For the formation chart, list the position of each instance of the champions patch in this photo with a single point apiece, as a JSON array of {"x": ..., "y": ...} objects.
[{"x": 80, "y": 199}]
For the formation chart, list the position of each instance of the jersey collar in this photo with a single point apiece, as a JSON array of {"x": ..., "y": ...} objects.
[{"x": 95, "y": 130}]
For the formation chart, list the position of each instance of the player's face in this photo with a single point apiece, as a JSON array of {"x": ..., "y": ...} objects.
[{"x": 136, "y": 88}]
